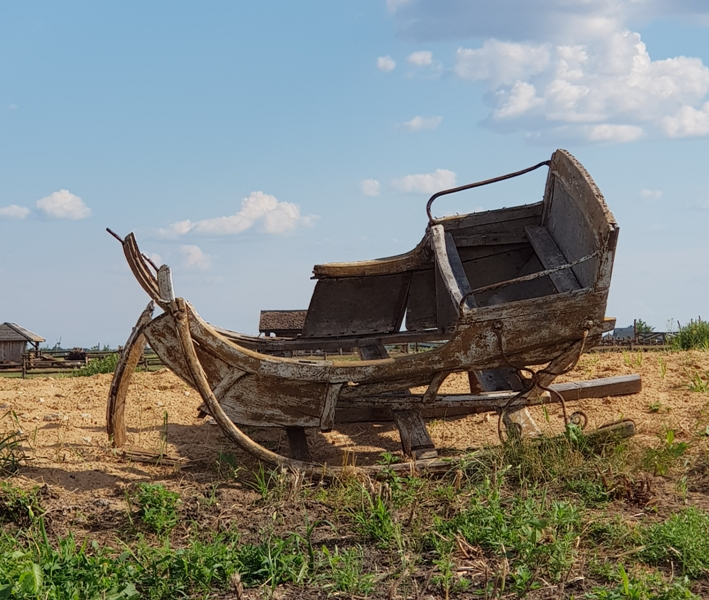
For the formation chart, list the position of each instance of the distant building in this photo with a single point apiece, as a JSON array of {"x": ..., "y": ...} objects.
[
  {"x": 14, "y": 340},
  {"x": 624, "y": 333},
  {"x": 281, "y": 323}
]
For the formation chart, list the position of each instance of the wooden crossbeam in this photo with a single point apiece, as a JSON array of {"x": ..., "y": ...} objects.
[{"x": 551, "y": 257}]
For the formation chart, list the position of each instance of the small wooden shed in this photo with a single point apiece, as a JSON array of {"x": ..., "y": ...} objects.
[
  {"x": 281, "y": 323},
  {"x": 13, "y": 342}
]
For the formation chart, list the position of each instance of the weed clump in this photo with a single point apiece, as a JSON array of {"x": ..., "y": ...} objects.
[
  {"x": 18, "y": 506},
  {"x": 107, "y": 364},
  {"x": 693, "y": 336},
  {"x": 157, "y": 507},
  {"x": 682, "y": 539}
]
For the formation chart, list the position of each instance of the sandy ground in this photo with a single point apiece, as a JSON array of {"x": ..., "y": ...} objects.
[{"x": 67, "y": 446}]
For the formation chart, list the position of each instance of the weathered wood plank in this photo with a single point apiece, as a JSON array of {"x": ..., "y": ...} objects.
[
  {"x": 450, "y": 266},
  {"x": 493, "y": 238},
  {"x": 490, "y": 217},
  {"x": 167, "y": 292},
  {"x": 298, "y": 443},
  {"x": 622, "y": 385},
  {"x": 115, "y": 408},
  {"x": 332, "y": 393},
  {"x": 415, "y": 439},
  {"x": 372, "y": 351},
  {"x": 357, "y": 305},
  {"x": 551, "y": 258},
  {"x": 382, "y": 266}
]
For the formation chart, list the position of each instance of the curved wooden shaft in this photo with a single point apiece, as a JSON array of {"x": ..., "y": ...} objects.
[
  {"x": 115, "y": 423},
  {"x": 215, "y": 409}
]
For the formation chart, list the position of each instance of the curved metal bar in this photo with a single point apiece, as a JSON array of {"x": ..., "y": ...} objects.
[{"x": 478, "y": 184}]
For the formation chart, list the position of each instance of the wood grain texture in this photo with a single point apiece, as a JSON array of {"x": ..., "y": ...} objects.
[
  {"x": 551, "y": 258},
  {"x": 357, "y": 305},
  {"x": 127, "y": 363}
]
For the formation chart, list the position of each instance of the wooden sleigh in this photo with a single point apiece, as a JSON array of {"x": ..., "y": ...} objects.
[{"x": 502, "y": 291}]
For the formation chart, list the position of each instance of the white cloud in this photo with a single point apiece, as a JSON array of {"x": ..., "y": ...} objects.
[
  {"x": 427, "y": 183},
  {"x": 156, "y": 258},
  {"x": 613, "y": 133},
  {"x": 386, "y": 64},
  {"x": 260, "y": 209},
  {"x": 13, "y": 211},
  {"x": 369, "y": 187},
  {"x": 688, "y": 122},
  {"x": 651, "y": 194},
  {"x": 501, "y": 63},
  {"x": 394, "y": 5},
  {"x": 422, "y": 123},
  {"x": 63, "y": 205},
  {"x": 572, "y": 69},
  {"x": 194, "y": 258},
  {"x": 422, "y": 58}
]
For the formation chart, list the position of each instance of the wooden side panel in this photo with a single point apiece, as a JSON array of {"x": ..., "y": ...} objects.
[
  {"x": 269, "y": 402},
  {"x": 12, "y": 351},
  {"x": 357, "y": 305},
  {"x": 421, "y": 309},
  {"x": 578, "y": 220}
]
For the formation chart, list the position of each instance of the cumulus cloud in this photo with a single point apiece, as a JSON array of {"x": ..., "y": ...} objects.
[
  {"x": 63, "y": 205},
  {"x": 194, "y": 258},
  {"x": 422, "y": 58},
  {"x": 687, "y": 122},
  {"x": 570, "y": 69},
  {"x": 651, "y": 194},
  {"x": 422, "y": 123},
  {"x": 259, "y": 209},
  {"x": 426, "y": 183},
  {"x": 369, "y": 187},
  {"x": 386, "y": 64},
  {"x": 13, "y": 211}
]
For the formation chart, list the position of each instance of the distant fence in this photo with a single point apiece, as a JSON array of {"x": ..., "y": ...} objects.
[{"x": 57, "y": 362}]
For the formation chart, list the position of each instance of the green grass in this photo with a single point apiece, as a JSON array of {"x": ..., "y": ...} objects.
[
  {"x": 521, "y": 520},
  {"x": 107, "y": 364},
  {"x": 682, "y": 539},
  {"x": 693, "y": 336},
  {"x": 157, "y": 507}
]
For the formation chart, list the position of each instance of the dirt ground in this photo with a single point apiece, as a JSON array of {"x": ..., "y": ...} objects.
[{"x": 67, "y": 447}]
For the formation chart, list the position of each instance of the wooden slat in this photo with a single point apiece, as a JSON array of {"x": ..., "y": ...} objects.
[
  {"x": 332, "y": 393},
  {"x": 449, "y": 265},
  {"x": 492, "y": 217},
  {"x": 622, "y": 385},
  {"x": 415, "y": 439},
  {"x": 167, "y": 293},
  {"x": 551, "y": 258},
  {"x": 374, "y": 350},
  {"x": 494, "y": 238},
  {"x": 298, "y": 443}
]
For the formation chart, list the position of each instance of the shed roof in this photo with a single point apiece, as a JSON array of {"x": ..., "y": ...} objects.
[
  {"x": 12, "y": 332},
  {"x": 272, "y": 320}
]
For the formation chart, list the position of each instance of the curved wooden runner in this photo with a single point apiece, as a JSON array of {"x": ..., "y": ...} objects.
[{"x": 115, "y": 423}]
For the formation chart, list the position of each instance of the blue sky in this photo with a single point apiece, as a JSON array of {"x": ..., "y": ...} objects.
[{"x": 245, "y": 142}]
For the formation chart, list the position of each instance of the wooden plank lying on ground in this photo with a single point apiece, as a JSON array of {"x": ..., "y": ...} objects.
[{"x": 622, "y": 385}]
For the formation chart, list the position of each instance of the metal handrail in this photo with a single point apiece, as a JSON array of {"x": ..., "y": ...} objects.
[{"x": 478, "y": 184}]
